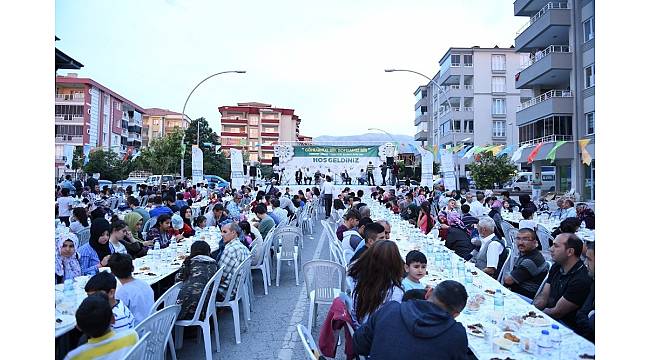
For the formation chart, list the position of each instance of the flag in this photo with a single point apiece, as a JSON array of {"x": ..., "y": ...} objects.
[
  {"x": 517, "y": 155},
  {"x": 497, "y": 149},
  {"x": 586, "y": 157},
  {"x": 86, "y": 153},
  {"x": 533, "y": 154},
  {"x": 435, "y": 151},
  {"x": 507, "y": 150},
  {"x": 551, "y": 154},
  {"x": 464, "y": 151},
  {"x": 487, "y": 148},
  {"x": 469, "y": 152}
]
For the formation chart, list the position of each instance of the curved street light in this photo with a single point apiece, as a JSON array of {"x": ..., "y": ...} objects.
[{"x": 198, "y": 129}]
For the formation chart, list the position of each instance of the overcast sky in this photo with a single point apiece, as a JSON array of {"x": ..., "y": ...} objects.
[{"x": 325, "y": 59}]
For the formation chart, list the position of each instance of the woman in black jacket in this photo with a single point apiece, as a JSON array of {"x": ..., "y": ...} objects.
[{"x": 458, "y": 238}]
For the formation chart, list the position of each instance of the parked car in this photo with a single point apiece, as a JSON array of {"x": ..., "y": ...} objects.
[
  {"x": 524, "y": 180},
  {"x": 155, "y": 180},
  {"x": 103, "y": 183},
  {"x": 217, "y": 182}
]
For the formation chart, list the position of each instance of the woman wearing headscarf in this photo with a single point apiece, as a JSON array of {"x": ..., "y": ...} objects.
[
  {"x": 443, "y": 224},
  {"x": 96, "y": 252},
  {"x": 196, "y": 271},
  {"x": 495, "y": 214},
  {"x": 66, "y": 258},
  {"x": 186, "y": 214},
  {"x": 425, "y": 220},
  {"x": 458, "y": 237}
]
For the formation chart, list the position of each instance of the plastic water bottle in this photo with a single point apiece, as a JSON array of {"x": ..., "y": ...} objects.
[
  {"x": 498, "y": 301},
  {"x": 468, "y": 277},
  {"x": 156, "y": 251},
  {"x": 544, "y": 344},
  {"x": 556, "y": 338},
  {"x": 461, "y": 268},
  {"x": 173, "y": 246}
]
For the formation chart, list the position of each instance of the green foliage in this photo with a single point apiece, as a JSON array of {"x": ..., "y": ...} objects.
[
  {"x": 78, "y": 158},
  {"x": 488, "y": 170},
  {"x": 162, "y": 156},
  {"x": 213, "y": 163},
  {"x": 108, "y": 164}
]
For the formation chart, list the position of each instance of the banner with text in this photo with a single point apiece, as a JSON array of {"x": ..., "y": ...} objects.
[
  {"x": 236, "y": 169},
  {"x": 197, "y": 164},
  {"x": 448, "y": 169}
]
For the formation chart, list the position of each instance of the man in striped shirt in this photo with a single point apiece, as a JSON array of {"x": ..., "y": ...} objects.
[
  {"x": 371, "y": 177},
  {"x": 105, "y": 282},
  {"x": 94, "y": 317}
]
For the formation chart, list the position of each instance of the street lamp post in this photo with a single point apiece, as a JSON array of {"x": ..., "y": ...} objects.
[{"x": 197, "y": 125}]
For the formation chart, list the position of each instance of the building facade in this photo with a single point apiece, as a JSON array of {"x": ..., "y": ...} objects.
[
  {"x": 558, "y": 42},
  {"x": 88, "y": 113},
  {"x": 157, "y": 123},
  {"x": 255, "y": 127},
  {"x": 475, "y": 102}
]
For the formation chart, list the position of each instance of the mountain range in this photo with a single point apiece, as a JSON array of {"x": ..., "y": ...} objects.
[{"x": 372, "y": 138}]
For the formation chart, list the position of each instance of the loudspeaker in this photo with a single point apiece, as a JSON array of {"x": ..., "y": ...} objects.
[
  {"x": 253, "y": 171},
  {"x": 275, "y": 160},
  {"x": 245, "y": 170},
  {"x": 389, "y": 160}
]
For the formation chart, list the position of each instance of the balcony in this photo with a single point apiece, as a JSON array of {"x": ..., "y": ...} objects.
[
  {"x": 451, "y": 75},
  {"x": 234, "y": 121},
  {"x": 548, "y": 26},
  {"x": 69, "y": 139},
  {"x": 528, "y": 7},
  {"x": 270, "y": 121},
  {"x": 457, "y": 113},
  {"x": 422, "y": 118},
  {"x": 554, "y": 102},
  {"x": 135, "y": 122},
  {"x": 125, "y": 132},
  {"x": 235, "y": 134},
  {"x": 271, "y": 134},
  {"x": 421, "y": 136},
  {"x": 70, "y": 98},
  {"x": 134, "y": 137},
  {"x": 67, "y": 119},
  {"x": 550, "y": 68}
]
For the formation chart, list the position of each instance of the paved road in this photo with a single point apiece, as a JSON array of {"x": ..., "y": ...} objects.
[{"x": 271, "y": 333}]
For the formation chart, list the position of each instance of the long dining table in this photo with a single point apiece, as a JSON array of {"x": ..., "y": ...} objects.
[
  {"x": 151, "y": 269},
  {"x": 486, "y": 324}
]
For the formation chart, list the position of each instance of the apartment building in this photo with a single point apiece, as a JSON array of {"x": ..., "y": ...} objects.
[
  {"x": 255, "y": 128},
  {"x": 88, "y": 113},
  {"x": 157, "y": 123},
  {"x": 558, "y": 41},
  {"x": 475, "y": 102}
]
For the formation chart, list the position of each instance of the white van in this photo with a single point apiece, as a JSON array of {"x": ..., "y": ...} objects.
[
  {"x": 524, "y": 181},
  {"x": 155, "y": 180}
]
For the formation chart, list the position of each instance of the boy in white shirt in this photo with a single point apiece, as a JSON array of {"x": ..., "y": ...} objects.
[
  {"x": 137, "y": 295},
  {"x": 106, "y": 283},
  {"x": 64, "y": 203},
  {"x": 416, "y": 268}
]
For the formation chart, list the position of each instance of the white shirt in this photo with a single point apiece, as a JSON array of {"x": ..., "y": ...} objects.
[
  {"x": 65, "y": 203},
  {"x": 308, "y": 173},
  {"x": 328, "y": 188},
  {"x": 138, "y": 297},
  {"x": 530, "y": 224},
  {"x": 494, "y": 250},
  {"x": 280, "y": 213},
  {"x": 119, "y": 248},
  {"x": 476, "y": 209}
]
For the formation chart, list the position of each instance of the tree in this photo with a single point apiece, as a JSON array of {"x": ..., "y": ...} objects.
[
  {"x": 488, "y": 170},
  {"x": 163, "y": 155},
  {"x": 108, "y": 164},
  {"x": 78, "y": 158},
  {"x": 213, "y": 163}
]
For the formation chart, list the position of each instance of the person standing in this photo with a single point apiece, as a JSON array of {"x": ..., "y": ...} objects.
[
  {"x": 537, "y": 187},
  {"x": 252, "y": 171},
  {"x": 308, "y": 176},
  {"x": 384, "y": 170},
  {"x": 394, "y": 173},
  {"x": 299, "y": 176},
  {"x": 371, "y": 177},
  {"x": 327, "y": 189}
]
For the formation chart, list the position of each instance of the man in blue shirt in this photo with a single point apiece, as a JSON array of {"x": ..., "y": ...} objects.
[
  {"x": 159, "y": 208},
  {"x": 180, "y": 202},
  {"x": 67, "y": 184},
  {"x": 233, "y": 206}
]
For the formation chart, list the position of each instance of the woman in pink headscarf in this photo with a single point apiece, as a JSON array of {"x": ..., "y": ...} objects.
[
  {"x": 495, "y": 214},
  {"x": 458, "y": 237}
]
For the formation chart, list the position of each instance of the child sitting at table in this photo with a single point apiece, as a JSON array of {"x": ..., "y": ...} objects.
[
  {"x": 135, "y": 293},
  {"x": 106, "y": 283},
  {"x": 200, "y": 222},
  {"x": 94, "y": 317},
  {"x": 416, "y": 268}
]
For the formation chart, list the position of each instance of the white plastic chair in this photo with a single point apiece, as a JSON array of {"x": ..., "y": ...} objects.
[
  {"x": 288, "y": 251},
  {"x": 308, "y": 342},
  {"x": 208, "y": 295},
  {"x": 506, "y": 264},
  {"x": 238, "y": 288},
  {"x": 264, "y": 263},
  {"x": 506, "y": 227},
  {"x": 168, "y": 299},
  {"x": 83, "y": 236},
  {"x": 325, "y": 280},
  {"x": 511, "y": 235},
  {"x": 335, "y": 246},
  {"x": 148, "y": 225},
  {"x": 160, "y": 325},
  {"x": 290, "y": 229},
  {"x": 137, "y": 352},
  {"x": 543, "y": 235},
  {"x": 305, "y": 221},
  {"x": 541, "y": 287}
]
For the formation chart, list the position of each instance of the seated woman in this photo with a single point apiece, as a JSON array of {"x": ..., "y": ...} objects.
[
  {"x": 162, "y": 231},
  {"x": 339, "y": 207},
  {"x": 587, "y": 215},
  {"x": 443, "y": 224},
  {"x": 96, "y": 252},
  {"x": 425, "y": 220},
  {"x": 66, "y": 258},
  {"x": 568, "y": 225},
  {"x": 376, "y": 279},
  {"x": 458, "y": 237},
  {"x": 196, "y": 271},
  {"x": 122, "y": 240},
  {"x": 186, "y": 214},
  {"x": 495, "y": 214},
  {"x": 79, "y": 220},
  {"x": 247, "y": 235}
]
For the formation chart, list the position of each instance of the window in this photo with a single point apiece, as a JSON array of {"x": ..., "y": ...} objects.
[
  {"x": 498, "y": 63},
  {"x": 469, "y": 126},
  {"x": 253, "y": 120},
  {"x": 498, "y": 106},
  {"x": 588, "y": 29},
  {"x": 255, "y": 132},
  {"x": 423, "y": 110},
  {"x": 498, "y": 84},
  {"x": 499, "y": 128},
  {"x": 467, "y": 60},
  {"x": 589, "y": 118},
  {"x": 455, "y": 60},
  {"x": 590, "y": 76},
  {"x": 456, "y": 125}
]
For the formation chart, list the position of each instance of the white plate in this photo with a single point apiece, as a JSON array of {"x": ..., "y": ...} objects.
[{"x": 540, "y": 322}]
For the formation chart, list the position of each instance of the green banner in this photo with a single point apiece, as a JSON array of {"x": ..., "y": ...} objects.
[{"x": 336, "y": 151}]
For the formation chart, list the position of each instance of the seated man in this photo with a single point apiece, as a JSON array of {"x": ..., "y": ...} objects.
[
  {"x": 371, "y": 233},
  {"x": 557, "y": 213},
  {"x": 94, "y": 318},
  {"x": 568, "y": 281},
  {"x": 586, "y": 316},
  {"x": 467, "y": 217},
  {"x": 266, "y": 223},
  {"x": 233, "y": 207},
  {"x": 417, "y": 329},
  {"x": 279, "y": 212},
  {"x": 170, "y": 200},
  {"x": 387, "y": 228},
  {"x": 234, "y": 253},
  {"x": 530, "y": 268},
  {"x": 527, "y": 220},
  {"x": 217, "y": 216},
  {"x": 569, "y": 209},
  {"x": 491, "y": 256},
  {"x": 159, "y": 208},
  {"x": 350, "y": 221},
  {"x": 411, "y": 211}
]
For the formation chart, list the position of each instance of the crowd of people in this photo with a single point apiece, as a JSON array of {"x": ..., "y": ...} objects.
[{"x": 385, "y": 287}]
